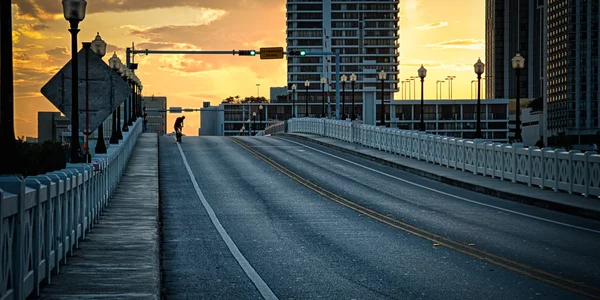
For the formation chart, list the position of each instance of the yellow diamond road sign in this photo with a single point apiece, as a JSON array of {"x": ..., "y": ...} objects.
[{"x": 271, "y": 53}]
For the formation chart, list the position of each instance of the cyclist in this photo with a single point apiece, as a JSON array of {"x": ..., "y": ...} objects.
[{"x": 178, "y": 127}]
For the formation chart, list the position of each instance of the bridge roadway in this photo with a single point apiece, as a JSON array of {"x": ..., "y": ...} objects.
[{"x": 302, "y": 221}]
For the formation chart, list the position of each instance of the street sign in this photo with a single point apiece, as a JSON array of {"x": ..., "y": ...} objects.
[
  {"x": 106, "y": 90},
  {"x": 175, "y": 109},
  {"x": 271, "y": 53}
]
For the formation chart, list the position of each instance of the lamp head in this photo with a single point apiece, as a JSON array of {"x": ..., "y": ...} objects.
[
  {"x": 343, "y": 78},
  {"x": 382, "y": 75},
  {"x": 479, "y": 67},
  {"x": 422, "y": 72},
  {"x": 307, "y": 83},
  {"x": 74, "y": 10},
  {"x": 518, "y": 62},
  {"x": 294, "y": 87},
  {"x": 353, "y": 77},
  {"x": 114, "y": 62},
  {"x": 323, "y": 80},
  {"x": 99, "y": 46}
]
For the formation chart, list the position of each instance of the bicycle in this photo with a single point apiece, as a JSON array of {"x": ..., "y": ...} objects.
[{"x": 178, "y": 134}]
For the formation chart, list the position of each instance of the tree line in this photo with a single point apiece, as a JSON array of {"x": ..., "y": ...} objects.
[{"x": 251, "y": 99}]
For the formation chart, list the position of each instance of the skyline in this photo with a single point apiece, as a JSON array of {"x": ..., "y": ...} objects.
[{"x": 447, "y": 38}]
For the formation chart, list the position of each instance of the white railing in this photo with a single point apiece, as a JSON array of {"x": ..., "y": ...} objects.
[
  {"x": 275, "y": 128},
  {"x": 572, "y": 171},
  {"x": 43, "y": 217}
]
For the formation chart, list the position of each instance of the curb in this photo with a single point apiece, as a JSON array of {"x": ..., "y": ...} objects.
[{"x": 564, "y": 208}]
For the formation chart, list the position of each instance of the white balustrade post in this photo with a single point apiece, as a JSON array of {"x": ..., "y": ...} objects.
[
  {"x": 586, "y": 171},
  {"x": 514, "y": 161},
  {"x": 16, "y": 185}
]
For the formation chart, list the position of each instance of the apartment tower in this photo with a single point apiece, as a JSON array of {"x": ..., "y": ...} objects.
[{"x": 366, "y": 35}]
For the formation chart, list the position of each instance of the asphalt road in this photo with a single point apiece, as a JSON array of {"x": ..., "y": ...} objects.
[{"x": 289, "y": 219}]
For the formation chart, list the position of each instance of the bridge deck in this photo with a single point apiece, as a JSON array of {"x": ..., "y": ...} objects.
[{"x": 120, "y": 257}]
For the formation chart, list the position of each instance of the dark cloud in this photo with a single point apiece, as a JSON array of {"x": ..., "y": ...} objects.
[
  {"x": 58, "y": 51},
  {"x": 39, "y": 27},
  {"x": 112, "y": 48},
  {"x": 22, "y": 56},
  {"x": 472, "y": 44},
  {"x": 45, "y": 9}
]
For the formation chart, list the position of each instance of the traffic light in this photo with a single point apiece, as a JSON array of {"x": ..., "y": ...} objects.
[
  {"x": 246, "y": 52},
  {"x": 297, "y": 53}
]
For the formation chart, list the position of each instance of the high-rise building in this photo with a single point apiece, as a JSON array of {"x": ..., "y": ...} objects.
[
  {"x": 573, "y": 69},
  {"x": 366, "y": 35},
  {"x": 513, "y": 26}
]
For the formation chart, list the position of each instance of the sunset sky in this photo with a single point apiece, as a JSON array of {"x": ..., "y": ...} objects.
[{"x": 446, "y": 36}]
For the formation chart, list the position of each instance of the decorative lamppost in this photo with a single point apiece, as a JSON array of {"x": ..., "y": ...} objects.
[
  {"x": 115, "y": 63},
  {"x": 140, "y": 89},
  {"x": 323, "y": 83},
  {"x": 253, "y": 123},
  {"x": 479, "y": 69},
  {"x": 306, "y": 85},
  {"x": 343, "y": 81},
  {"x": 293, "y": 100},
  {"x": 125, "y": 73},
  {"x": 382, "y": 76},
  {"x": 74, "y": 12},
  {"x": 353, "y": 79},
  {"x": 260, "y": 111},
  {"x": 518, "y": 63},
  {"x": 99, "y": 47},
  {"x": 422, "y": 73},
  {"x": 130, "y": 81}
]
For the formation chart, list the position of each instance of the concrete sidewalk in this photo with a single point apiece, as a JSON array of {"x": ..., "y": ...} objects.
[
  {"x": 120, "y": 258},
  {"x": 558, "y": 201}
]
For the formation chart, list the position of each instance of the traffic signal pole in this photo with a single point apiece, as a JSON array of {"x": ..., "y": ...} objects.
[{"x": 130, "y": 51}]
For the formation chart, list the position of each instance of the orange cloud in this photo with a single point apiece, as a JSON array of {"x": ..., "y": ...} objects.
[
  {"x": 471, "y": 44},
  {"x": 433, "y": 25}
]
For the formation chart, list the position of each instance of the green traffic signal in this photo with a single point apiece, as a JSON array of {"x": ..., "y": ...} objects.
[
  {"x": 252, "y": 52},
  {"x": 302, "y": 52}
]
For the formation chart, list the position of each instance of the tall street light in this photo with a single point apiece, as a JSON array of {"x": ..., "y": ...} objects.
[
  {"x": 422, "y": 73},
  {"x": 125, "y": 73},
  {"x": 343, "y": 81},
  {"x": 306, "y": 85},
  {"x": 294, "y": 100},
  {"x": 323, "y": 83},
  {"x": 9, "y": 163},
  {"x": 472, "y": 81},
  {"x": 258, "y": 90},
  {"x": 115, "y": 63},
  {"x": 409, "y": 90},
  {"x": 260, "y": 112},
  {"x": 450, "y": 78},
  {"x": 382, "y": 76},
  {"x": 353, "y": 79},
  {"x": 253, "y": 123},
  {"x": 438, "y": 83},
  {"x": 414, "y": 80},
  {"x": 518, "y": 63},
  {"x": 74, "y": 12},
  {"x": 479, "y": 69},
  {"x": 99, "y": 47}
]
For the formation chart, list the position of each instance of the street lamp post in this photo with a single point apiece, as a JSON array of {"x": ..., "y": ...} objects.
[
  {"x": 248, "y": 126},
  {"x": 260, "y": 112},
  {"x": 422, "y": 73},
  {"x": 438, "y": 83},
  {"x": 294, "y": 100},
  {"x": 353, "y": 79},
  {"x": 479, "y": 69},
  {"x": 450, "y": 78},
  {"x": 518, "y": 63},
  {"x": 125, "y": 74},
  {"x": 253, "y": 123},
  {"x": 414, "y": 80},
  {"x": 472, "y": 81},
  {"x": 99, "y": 47},
  {"x": 115, "y": 63},
  {"x": 323, "y": 83},
  {"x": 343, "y": 79},
  {"x": 382, "y": 76},
  {"x": 306, "y": 85},
  {"x": 409, "y": 90},
  {"x": 86, "y": 142},
  {"x": 74, "y": 12}
]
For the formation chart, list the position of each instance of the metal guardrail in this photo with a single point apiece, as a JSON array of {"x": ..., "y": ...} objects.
[
  {"x": 42, "y": 218},
  {"x": 556, "y": 169}
]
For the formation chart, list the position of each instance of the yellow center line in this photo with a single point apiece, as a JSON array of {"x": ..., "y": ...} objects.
[{"x": 435, "y": 238}]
